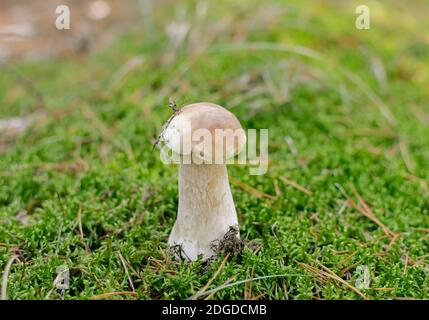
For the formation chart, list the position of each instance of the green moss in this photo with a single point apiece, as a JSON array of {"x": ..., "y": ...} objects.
[{"x": 102, "y": 161}]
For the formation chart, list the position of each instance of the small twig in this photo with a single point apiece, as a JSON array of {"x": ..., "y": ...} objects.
[
  {"x": 255, "y": 192},
  {"x": 326, "y": 272},
  {"x": 124, "y": 264},
  {"x": 285, "y": 290},
  {"x": 79, "y": 221},
  {"x": 6, "y": 245},
  {"x": 423, "y": 183},
  {"x": 340, "y": 252},
  {"x": 370, "y": 214},
  {"x": 172, "y": 104},
  {"x": 403, "y": 147},
  {"x": 221, "y": 266},
  {"x": 406, "y": 263},
  {"x": 109, "y": 294},
  {"x": 394, "y": 238},
  {"x": 136, "y": 273},
  {"x": 245, "y": 286},
  {"x": 124, "y": 71},
  {"x": 248, "y": 286},
  {"x": 346, "y": 259},
  {"x": 296, "y": 186},
  {"x": 61, "y": 224},
  {"x": 334, "y": 276},
  {"x": 348, "y": 268},
  {"x": 224, "y": 286},
  {"x": 279, "y": 193},
  {"x": 364, "y": 209},
  {"x": 381, "y": 289},
  {"x": 5, "y": 277}
]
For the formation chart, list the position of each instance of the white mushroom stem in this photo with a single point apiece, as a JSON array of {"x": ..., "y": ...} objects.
[{"x": 206, "y": 209}]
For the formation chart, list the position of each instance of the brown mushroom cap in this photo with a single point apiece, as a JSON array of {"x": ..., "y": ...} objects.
[{"x": 206, "y": 131}]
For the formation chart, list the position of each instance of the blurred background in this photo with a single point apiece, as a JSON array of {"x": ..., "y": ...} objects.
[
  {"x": 28, "y": 30},
  {"x": 348, "y": 117}
]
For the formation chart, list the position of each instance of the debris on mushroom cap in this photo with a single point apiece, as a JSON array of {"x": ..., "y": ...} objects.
[{"x": 206, "y": 131}]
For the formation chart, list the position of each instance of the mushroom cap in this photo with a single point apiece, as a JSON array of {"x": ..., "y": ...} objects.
[{"x": 205, "y": 131}]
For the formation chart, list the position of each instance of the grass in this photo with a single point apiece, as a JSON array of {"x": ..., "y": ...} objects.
[{"x": 349, "y": 151}]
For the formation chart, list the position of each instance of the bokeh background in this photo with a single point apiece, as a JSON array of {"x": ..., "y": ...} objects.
[{"x": 346, "y": 193}]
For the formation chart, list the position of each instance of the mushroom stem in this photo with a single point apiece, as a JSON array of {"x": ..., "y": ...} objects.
[{"x": 206, "y": 209}]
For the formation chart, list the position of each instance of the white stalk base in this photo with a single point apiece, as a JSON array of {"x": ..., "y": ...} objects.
[{"x": 206, "y": 210}]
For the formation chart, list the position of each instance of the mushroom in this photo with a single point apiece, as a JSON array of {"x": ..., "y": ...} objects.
[{"x": 205, "y": 136}]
